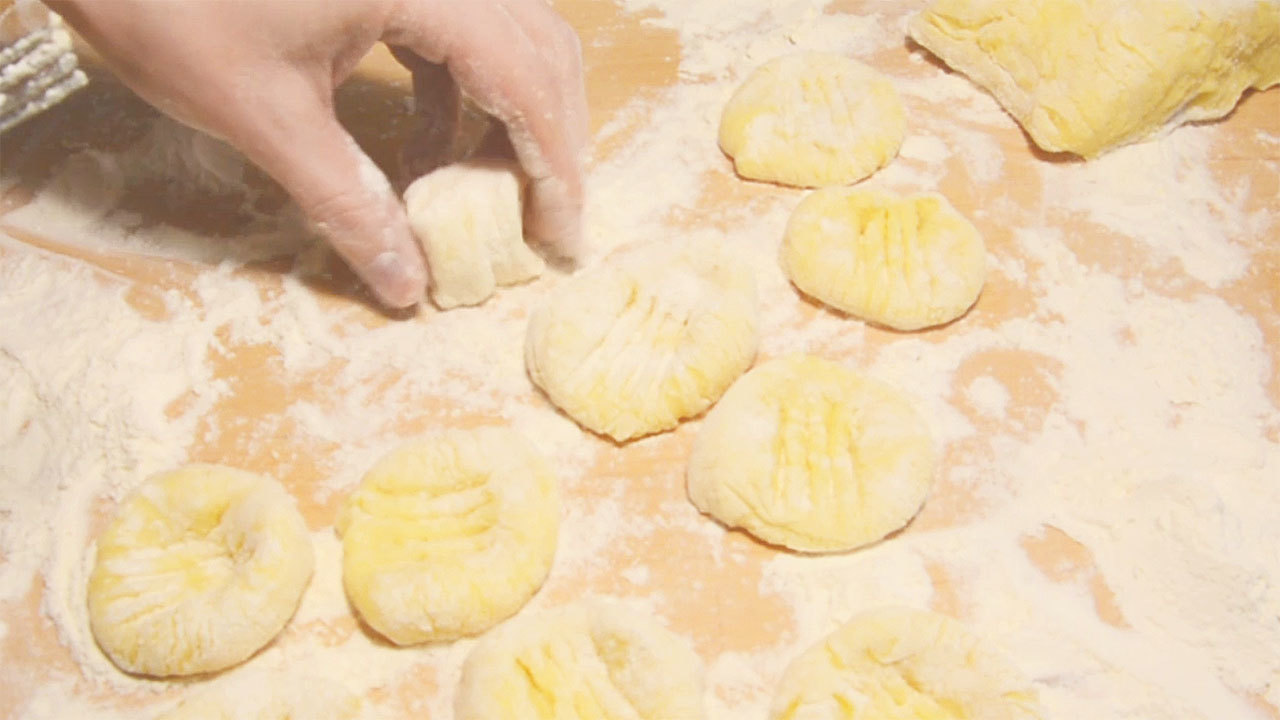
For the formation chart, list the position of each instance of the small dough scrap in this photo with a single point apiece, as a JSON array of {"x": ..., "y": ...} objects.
[
  {"x": 811, "y": 120},
  {"x": 903, "y": 262},
  {"x": 468, "y": 218},
  {"x": 200, "y": 568},
  {"x": 653, "y": 336},
  {"x": 448, "y": 535},
  {"x": 586, "y": 662},
  {"x": 805, "y": 453},
  {"x": 274, "y": 695},
  {"x": 1085, "y": 76},
  {"x": 903, "y": 664}
]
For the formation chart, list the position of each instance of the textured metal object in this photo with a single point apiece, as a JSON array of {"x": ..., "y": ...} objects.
[{"x": 38, "y": 66}]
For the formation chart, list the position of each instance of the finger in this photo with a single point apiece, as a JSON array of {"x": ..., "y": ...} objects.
[
  {"x": 563, "y": 49},
  {"x": 293, "y": 134},
  {"x": 499, "y": 65}
]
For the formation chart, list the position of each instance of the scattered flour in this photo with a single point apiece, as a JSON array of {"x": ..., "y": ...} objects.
[{"x": 1151, "y": 452}]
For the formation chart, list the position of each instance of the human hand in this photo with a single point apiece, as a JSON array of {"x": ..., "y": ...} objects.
[{"x": 261, "y": 75}]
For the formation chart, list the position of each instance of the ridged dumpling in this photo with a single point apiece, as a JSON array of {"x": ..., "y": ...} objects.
[
  {"x": 651, "y": 337},
  {"x": 811, "y": 120},
  {"x": 200, "y": 568},
  {"x": 807, "y": 454},
  {"x": 583, "y": 662},
  {"x": 898, "y": 663},
  {"x": 449, "y": 534},
  {"x": 905, "y": 262}
]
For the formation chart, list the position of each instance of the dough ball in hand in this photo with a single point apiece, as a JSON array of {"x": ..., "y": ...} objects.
[{"x": 467, "y": 217}]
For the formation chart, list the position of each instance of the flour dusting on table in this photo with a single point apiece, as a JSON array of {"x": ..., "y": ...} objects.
[{"x": 1138, "y": 437}]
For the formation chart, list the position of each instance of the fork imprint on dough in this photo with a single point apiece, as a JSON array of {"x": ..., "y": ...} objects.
[
  {"x": 906, "y": 262},
  {"x": 812, "y": 119},
  {"x": 467, "y": 216},
  {"x": 593, "y": 661},
  {"x": 804, "y": 453},
  {"x": 651, "y": 337},
  {"x": 200, "y": 568},
  {"x": 898, "y": 663},
  {"x": 450, "y": 534}
]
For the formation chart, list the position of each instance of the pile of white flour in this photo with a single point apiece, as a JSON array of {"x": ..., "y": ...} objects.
[{"x": 1147, "y": 432}]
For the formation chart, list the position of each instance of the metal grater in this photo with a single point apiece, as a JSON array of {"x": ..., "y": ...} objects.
[{"x": 37, "y": 64}]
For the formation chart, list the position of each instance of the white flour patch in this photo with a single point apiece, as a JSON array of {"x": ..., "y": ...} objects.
[{"x": 1152, "y": 453}]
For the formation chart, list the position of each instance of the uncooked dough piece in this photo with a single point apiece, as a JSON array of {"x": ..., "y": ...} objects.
[
  {"x": 586, "y": 662},
  {"x": 450, "y": 534},
  {"x": 1085, "y": 76},
  {"x": 274, "y": 695},
  {"x": 199, "y": 569},
  {"x": 811, "y": 120},
  {"x": 903, "y": 664},
  {"x": 467, "y": 217},
  {"x": 905, "y": 262},
  {"x": 805, "y": 453},
  {"x": 653, "y": 336}
]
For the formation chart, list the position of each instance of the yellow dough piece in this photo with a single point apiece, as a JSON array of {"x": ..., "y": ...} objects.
[
  {"x": 274, "y": 695},
  {"x": 904, "y": 262},
  {"x": 804, "y": 453},
  {"x": 448, "y": 535},
  {"x": 653, "y": 336},
  {"x": 586, "y": 662},
  {"x": 467, "y": 218},
  {"x": 903, "y": 664},
  {"x": 812, "y": 119},
  {"x": 200, "y": 568},
  {"x": 1085, "y": 76}
]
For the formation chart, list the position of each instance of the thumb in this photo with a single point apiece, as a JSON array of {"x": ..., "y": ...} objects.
[{"x": 299, "y": 142}]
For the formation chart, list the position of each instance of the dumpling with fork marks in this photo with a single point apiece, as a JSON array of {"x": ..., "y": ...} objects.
[
  {"x": 591, "y": 661},
  {"x": 200, "y": 568},
  {"x": 898, "y": 663},
  {"x": 812, "y": 119},
  {"x": 805, "y": 453},
  {"x": 653, "y": 336},
  {"x": 449, "y": 534},
  {"x": 905, "y": 262}
]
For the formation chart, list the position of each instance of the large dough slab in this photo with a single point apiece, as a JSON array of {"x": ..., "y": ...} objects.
[{"x": 1085, "y": 76}]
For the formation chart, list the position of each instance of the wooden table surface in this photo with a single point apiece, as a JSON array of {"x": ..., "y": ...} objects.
[{"x": 630, "y": 63}]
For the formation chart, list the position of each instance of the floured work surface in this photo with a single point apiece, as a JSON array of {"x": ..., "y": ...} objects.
[{"x": 1106, "y": 415}]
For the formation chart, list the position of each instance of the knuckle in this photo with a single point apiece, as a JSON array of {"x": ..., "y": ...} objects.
[{"x": 342, "y": 216}]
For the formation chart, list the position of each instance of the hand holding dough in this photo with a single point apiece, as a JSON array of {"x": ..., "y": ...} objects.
[
  {"x": 200, "y": 568},
  {"x": 811, "y": 120},
  {"x": 448, "y": 535}
]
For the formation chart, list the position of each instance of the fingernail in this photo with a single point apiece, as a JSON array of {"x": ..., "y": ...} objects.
[{"x": 396, "y": 280}]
